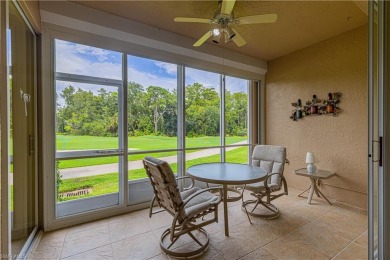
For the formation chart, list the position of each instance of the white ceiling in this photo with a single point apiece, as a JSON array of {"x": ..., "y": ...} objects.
[{"x": 300, "y": 23}]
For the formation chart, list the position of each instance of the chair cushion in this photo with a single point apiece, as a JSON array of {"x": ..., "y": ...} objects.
[
  {"x": 198, "y": 204},
  {"x": 271, "y": 159},
  {"x": 185, "y": 194},
  {"x": 269, "y": 153},
  {"x": 259, "y": 187}
]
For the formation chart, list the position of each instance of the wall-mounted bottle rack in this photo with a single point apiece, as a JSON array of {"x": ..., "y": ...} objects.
[{"x": 316, "y": 106}]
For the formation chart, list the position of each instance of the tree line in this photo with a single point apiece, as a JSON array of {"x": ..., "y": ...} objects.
[{"x": 150, "y": 111}]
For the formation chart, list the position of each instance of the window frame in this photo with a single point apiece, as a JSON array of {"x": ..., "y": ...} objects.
[
  {"x": 50, "y": 220},
  {"x": 85, "y": 205}
]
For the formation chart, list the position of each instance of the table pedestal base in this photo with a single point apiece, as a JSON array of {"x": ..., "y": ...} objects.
[
  {"x": 234, "y": 190},
  {"x": 225, "y": 213},
  {"x": 313, "y": 188},
  {"x": 227, "y": 199},
  {"x": 225, "y": 174}
]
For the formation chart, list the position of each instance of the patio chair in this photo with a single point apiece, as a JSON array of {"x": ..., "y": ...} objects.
[
  {"x": 187, "y": 208},
  {"x": 272, "y": 159}
]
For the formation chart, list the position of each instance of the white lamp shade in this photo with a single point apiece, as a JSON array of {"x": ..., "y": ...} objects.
[{"x": 309, "y": 157}]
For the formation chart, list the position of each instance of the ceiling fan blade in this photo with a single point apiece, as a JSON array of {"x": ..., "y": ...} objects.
[
  {"x": 203, "y": 39},
  {"x": 238, "y": 39},
  {"x": 227, "y": 6},
  {"x": 192, "y": 20},
  {"x": 261, "y": 18}
]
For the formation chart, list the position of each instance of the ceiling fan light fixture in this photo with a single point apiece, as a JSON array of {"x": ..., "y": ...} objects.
[
  {"x": 216, "y": 32},
  {"x": 216, "y": 38},
  {"x": 224, "y": 22},
  {"x": 229, "y": 33},
  {"x": 227, "y": 40}
]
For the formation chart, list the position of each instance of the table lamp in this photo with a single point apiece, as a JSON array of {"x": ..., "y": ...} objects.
[{"x": 311, "y": 168}]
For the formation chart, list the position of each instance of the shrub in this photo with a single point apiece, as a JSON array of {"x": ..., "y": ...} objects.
[{"x": 59, "y": 181}]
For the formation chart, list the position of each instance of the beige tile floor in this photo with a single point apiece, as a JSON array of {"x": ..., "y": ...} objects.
[{"x": 316, "y": 231}]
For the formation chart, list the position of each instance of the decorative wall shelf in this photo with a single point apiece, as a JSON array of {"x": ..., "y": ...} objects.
[{"x": 317, "y": 106}]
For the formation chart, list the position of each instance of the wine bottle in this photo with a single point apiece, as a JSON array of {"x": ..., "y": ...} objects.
[
  {"x": 298, "y": 113},
  {"x": 330, "y": 106},
  {"x": 314, "y": 107}
]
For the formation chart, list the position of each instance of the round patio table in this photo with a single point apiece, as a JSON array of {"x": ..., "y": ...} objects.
[{"x": 226, "y": 174}]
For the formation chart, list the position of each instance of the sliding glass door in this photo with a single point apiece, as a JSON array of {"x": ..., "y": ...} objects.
[
  {"x": 22, "y": 130},
  {"x": 378, "y": 126},
  {"x": 89, "y": 143}
]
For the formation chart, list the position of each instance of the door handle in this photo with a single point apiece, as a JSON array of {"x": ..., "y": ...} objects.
[
  {"x": 30, "y": 145},
  {"x": 380, "y": 143}
]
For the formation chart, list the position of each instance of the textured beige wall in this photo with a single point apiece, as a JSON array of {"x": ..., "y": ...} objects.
[{"x": 338, "y": 64}]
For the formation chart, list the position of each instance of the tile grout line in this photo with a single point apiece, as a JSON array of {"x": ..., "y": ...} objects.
[
  {"x": 109, "y": 234},
  {"x": 334, "y": 234},
  {"x": 217, "y": 251},
  {"x": 68, "y": 257},
  {"x": 290, "y": 232},
  {"x": 324, "y": 214},
  {"x": 63, "y": 243},
  {"x": 350, "y": 244},
  {"x": 230, "y": 208}
]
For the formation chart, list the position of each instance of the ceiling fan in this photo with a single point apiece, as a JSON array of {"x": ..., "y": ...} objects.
[{"x": 225, "y": 21}]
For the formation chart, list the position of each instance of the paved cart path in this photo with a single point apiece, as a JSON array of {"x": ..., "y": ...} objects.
[{"x": 133, "y": 165}]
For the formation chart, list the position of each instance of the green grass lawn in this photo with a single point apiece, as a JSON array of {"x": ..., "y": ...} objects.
[
  {"x": 149, "y": 142},
  {"x": 108, "y": 183},
  {"x": 141, "y": 143}
]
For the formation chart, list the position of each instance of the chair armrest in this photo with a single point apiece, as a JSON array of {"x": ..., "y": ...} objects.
[
  {"x": 186, "y": 177},
  {"x": 200, "y": 192},
  {"x": 282, "y": 180}
]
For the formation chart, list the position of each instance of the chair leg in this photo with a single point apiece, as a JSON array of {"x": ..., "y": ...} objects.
[
  {"x": 151, "y": 206},
  {"x": 186, "y": 254},
  {"x": 151, "y": 212},
  {"x": 257, "y": 203},
  {"x": 247, "y": 214},
  {"x": 268, "y": 207},
  {"x": 242, "y": 203},
  {"x": 274, "y": 210},
  {"x": 194, "y": 238},
  {"x": 173, "y": 242}
]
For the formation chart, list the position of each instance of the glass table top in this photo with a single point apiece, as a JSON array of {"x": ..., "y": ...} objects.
[{"x": 227, "y": 173}]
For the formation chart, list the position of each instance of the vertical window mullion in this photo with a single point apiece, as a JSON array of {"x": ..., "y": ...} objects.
[
  {"x": 123, "y": 136},
  {"x": 250, "y": 119},
  {"x": 260, "y": 113},
  {"x": 181, "y": 128},
  {"x": 222, "y": 118}
]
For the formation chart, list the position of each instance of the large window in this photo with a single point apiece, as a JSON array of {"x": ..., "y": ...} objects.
[
  {"x": 79, "y": 59},
  {"x": 105, "y": 127},
  {"x": 202, "y": 108},
  {"x": 236, "y": 119},
  {"x": 151, "y": 112}
]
